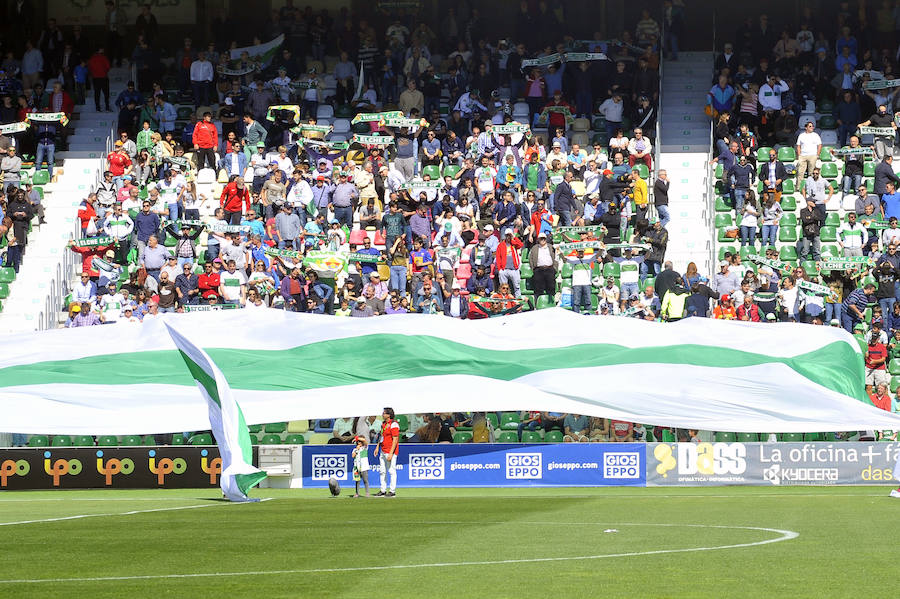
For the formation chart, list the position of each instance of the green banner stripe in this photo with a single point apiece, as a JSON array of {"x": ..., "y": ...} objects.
[{"x": 340, "y": 362}]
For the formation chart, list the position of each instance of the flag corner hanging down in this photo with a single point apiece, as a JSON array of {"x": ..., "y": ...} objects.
[{"x": 225, "y": 418}]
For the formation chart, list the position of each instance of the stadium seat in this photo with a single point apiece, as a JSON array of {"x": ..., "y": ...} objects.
[
  {"x": 832, "y": 219},
  {"x": 762, "y": 154},
  {"x": 492, "y": 419},
  {"x": 294, "y": 440},
  {"x": 324, "y": 426},
  {"x": 508, "y": 437},
  {"x": 403, "y": 421},
  {"x": 7, "y": 274},
  {"x": 720, "y": 170},
  {"x": 276, "y": 427},
  {"x": 746, "y": 437},
  {"x": 553, "y": 436},
  {"x": 83, "y": 441},
  {"x": 38, "y": 441},
  {"x": 724, "y": 220},
  {"x": 433, "y": 171},
  {"x": 358, "y": 236},
  {"x": 131, "y": 441},
  {"x": 828, "y": 234},
  {"x": 324, "y": 111},
  {"x": 108, "y": 441},
  {"x": 254, "y": 440},
  {"x": 895, "y": 382},
  {"x": 827, "y": 122},
  {"x": 150, "y": 440},
  {"x": 791, "y": 437},
  {"x": 4, "y": 290},
  {"x": 809, "y": 266},
  {"x": 787, "y": 234},
  {"x": 545, "y": 301},
  {"x": 788, "y": 220},
  {"x": 61, "y": 441},
  {"x": 525, "y": 270},
  {"x": 178, "y": 439},
  {"x": 612, "y": 269},
  {"x": 788, "y": 186},
  {"x": 724, "y": 204},
  {"x": 725, "y": 437},
  {"x": 41, "y": 178},
  {"x": 451, "y": 170},
  {"x": 894, "y": 366},
  {"x": 318, "y": 439},
  {"x": 727, "y": 249},
  {"x": 643, "y": 171},
  {"x": 809, "y": 437},
  {"x": 788, "y": 253},
  {"x": 202, "y": 439},
  {"x": 829, "y": 170},
  {"x": 531, "y": 437},
  {"x": 270, "y": 440},
  {"x": 462, "y": 437},
  {"x": 668, "y": 436},
  {"x": 788, "y": 203},
  {"x": 831, "y": 250},
  {"x": 255, "y": 428},
  {"x": 787, "y": 154},
  {"x": 509, "y": 421}
]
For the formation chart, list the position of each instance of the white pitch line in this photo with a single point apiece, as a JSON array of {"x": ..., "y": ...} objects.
[
  {"x": 128, "y": 513},
  {"x": 784, "y": 535}
]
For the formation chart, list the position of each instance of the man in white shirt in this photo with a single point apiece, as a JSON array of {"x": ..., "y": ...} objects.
[
  {"x": 816, "y": 188},
  {"x": 201, "y": 79},
  {"x": 300, "y": 194},
  {"x": 770, "y": 93},
  {"x": 233, "y": 285},
  {"x": 809, "y": 144},
  {"x": 851, "y": 236},
  {"x": 486, "y": 176},
  {"x": 891, "y": 235}
]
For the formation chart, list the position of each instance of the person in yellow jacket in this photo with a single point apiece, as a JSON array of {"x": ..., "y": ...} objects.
[
  {"x": 638, "y": 193},
  {"x": 674, "y": 303}
]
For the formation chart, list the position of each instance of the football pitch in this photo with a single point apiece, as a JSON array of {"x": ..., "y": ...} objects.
[{"x": 496, "y": 543}]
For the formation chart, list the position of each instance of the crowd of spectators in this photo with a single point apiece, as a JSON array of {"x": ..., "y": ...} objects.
[{"x": 233, "y": 181}]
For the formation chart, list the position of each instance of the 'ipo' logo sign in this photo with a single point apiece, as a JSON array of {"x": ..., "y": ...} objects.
[
  {"x": 426, "y": 466},
  {"x": 324, "y": 466},
  {"x": 523, "y": 465},
  {"x": 212, "y": 468},
  {"x": 109, "y": 468},
  {"x": 621, "y": 464},
  {"x": 13, "y": 468},
  {"x": 165, "y": 466},
  {"x": 60, "y": 467}
]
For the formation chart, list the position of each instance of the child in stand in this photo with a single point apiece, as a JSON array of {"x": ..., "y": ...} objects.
[{"x": 361, "y": 463}]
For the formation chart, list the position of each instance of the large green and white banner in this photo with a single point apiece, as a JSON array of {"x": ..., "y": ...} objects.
[{"x": 696, "y": 373}]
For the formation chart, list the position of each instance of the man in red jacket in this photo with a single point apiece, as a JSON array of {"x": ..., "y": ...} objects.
[
  {"x": 98, "y": 66},
  {"x": 206, "y": 140},
  {"x": 235, "y": 198},
  {"x": 508, "y": 261}
]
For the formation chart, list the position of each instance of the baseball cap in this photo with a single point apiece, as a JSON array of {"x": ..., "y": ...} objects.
[
  {"x": 770, "y": 316},
  {"x": 489, "y": 227},
  {"x": 725, "y": 298},
  {"x": 607, "y": 172},
  {"x": 542, "y": 234},
  {"x": 261, "y": 144},
  {"x": 724, "y": 263},
  {"x": 76, "y": 308},
  {"x": 556, "y": 144},
  {"x": 859, "y": 327},
  {"x": 119, "y": 142},
  {"x": 110, "y": 254}
]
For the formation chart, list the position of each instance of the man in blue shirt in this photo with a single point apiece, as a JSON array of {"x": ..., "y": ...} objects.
[
  {"x": 364, "y": 268},
  {"x": 890, "y": 201}
]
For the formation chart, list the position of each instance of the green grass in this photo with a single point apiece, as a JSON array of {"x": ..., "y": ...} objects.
[{"x": 845, "y": 545}]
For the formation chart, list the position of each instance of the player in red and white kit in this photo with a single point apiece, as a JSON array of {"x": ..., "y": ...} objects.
[{"x": 389, "y": 447}]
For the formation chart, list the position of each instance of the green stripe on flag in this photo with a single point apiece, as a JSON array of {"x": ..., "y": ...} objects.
[{"x": 338, "y": 362}]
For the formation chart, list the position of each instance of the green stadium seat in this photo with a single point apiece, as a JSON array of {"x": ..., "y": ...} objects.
[
  {"x": 178, "y": 439},
  {"x": 787, "y": 154},
  {"x": 566, "y": 271},
  {"x": 270, "y": 440},
  {"x": 868, "y": 169},
  {"x": 492, "y": 419},
  {"x": 788, "y": 186},
  {"x": 150, "y": 440},
  {"x": 525, "y": 270},
  {"x": 508, "y": 437},
  {"x": 825, "y": 154},
  {"x": 894, "y": 366},
  {"x": 553, "y": 436},
  {"x": 403, "y": 421},
  {"x": 787, "y": 234},
  {"x": 827, "y": 122},
  {"x": 746, "y": 437},
  {"x": 254, "y": 440},
  {"x": 725, "y": 437},
  {"x": 809, "y": 266},
  {"x": 344, "y": 111},
  {"x": 643, "y": 171},
  {"x": 7, "y": 274},
  {"x": 41, "y": 178},
  {"x": 61, "y": 441},
  {"x": 727, "y": 249},
  {"x": 895, "y": 382},
  {"x": 825, "y": 105},
  {"x": 724, "y": 204},
  {"x": 255, "y": 428},
  {"x": 131, "y": 441},
  {"x": 828, "y": 234},
  {"x": 809, "y": 437},
  {"x": 4, "y": 290},
  {"x": 38, "y": 441},
  {"x": 788, "y": 220},
  {"x": 545, "y": 301},
  {"x": 509, "y": 421},
  {"x": 202, "y": 439},
  {"x": 83, "y": 441},
  {"x": 788, "y": 203},
  {"x": 791, "y": 437},
  {"x": 451, "y": 170},
  {"x": 788, "y": 252},
  {"x": 611, "y": 269},
  {"x": 668, "y": 436},
  {"x": 183, "y": 113},
  {"x": 276, "y": 427},
  {"x": 531, "y": 437},
  {"x": 462, "y": 437},
  {"x": 829, "y": 170},
  {"x": 831, "y": 250},
  {"x": 724, "y": 220},
  {"x": 433, "y": 171},
  {"x": 833, "y": 219},
  {"x": 762, "y": 154},
  {"x": 720, "y": 170},
  {"x": 870, "y": 185},
  {"x": 294, "y": 439},
  {"x": 108, "y": 441}
]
